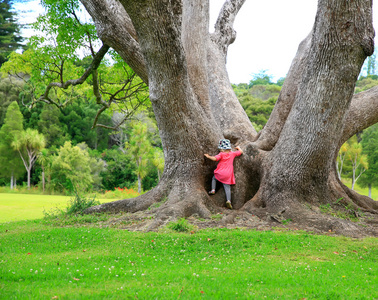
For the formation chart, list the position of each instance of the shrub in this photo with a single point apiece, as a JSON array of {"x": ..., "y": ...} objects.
[
  {"x": 182, "y": 225},
  {"x": 79, "y": 203}
]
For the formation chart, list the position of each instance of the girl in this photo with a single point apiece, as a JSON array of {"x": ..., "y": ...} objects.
[{"x": 224, "y": 172}]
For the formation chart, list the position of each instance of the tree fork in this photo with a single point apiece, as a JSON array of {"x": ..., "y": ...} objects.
[
  {"x": 289, "y": 165},
  {"x": 299, "y": 164}
]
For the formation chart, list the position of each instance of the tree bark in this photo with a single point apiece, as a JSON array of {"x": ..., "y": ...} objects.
[
  {"x": 299, "y": 164},
  {"x": 291, "y": 161}
]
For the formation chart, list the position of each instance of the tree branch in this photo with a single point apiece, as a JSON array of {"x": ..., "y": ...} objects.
[
  {"x": 114, "y": 28},
  {"x": 64, "y": 85},
  {"x": 225, "y": 34},
  {"x": 362, "y": 113}
]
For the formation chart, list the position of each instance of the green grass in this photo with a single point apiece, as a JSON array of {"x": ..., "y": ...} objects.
[
  {"x": 360, "y": 190},
  {"x": 15, "y": 207},
  {"x": 38, "y": 261}
]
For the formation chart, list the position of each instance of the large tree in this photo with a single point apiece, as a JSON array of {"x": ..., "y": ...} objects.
[{"x": 289, "y": 166}]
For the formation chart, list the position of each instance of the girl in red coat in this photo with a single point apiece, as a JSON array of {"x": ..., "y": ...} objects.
[{"x": 224, "y": 172}]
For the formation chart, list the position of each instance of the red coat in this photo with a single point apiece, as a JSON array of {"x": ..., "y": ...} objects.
[{"x": 225, "y": 169}]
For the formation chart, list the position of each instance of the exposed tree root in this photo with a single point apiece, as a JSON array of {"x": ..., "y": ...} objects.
[
  {"x": 131, "y": 205},
  {"x": 344, "y": 212}
]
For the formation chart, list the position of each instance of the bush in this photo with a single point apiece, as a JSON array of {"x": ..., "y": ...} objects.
[
  {"x": 78, "y": 204},
  {"x": 182, "y": 225}
]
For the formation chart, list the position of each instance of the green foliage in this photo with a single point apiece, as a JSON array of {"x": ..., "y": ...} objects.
[
  {"x": 261, "y": 79},
  {"x": 365, "y": 83},
  {"x": 258, "y": 98},
  {"x": 78, "y": 120},
  {"x": 70, "y": 169},
  {"x": 10, "y": 161},
  {"x": 341, "y": 212},
  {"x": 52, "y": 56},
  {"x": 141, "y": 150},
  {"x": 79, "y": 203},
  {"x": 351, "y": 162},
  {"x": 10, "y": 39},
  {"x": 119, "y": 170},
  {"x": 370, "y": 149},
  {"x": 181, "y": 225},
  {"x": 9, "y": 92},
  {"x": 29, "y": 143},
  {"x": 55, "y": 132},
  {"x": 96, "y": 164},
  {"x": 258, "y": 110}
]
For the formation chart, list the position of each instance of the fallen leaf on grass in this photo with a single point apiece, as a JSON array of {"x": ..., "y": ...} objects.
[
  {"x": 55, "y": 297},
  {"x": 335, "y": 252},
  {"x": 76, "y": 279},
  {"x": 202, "y": 292}
]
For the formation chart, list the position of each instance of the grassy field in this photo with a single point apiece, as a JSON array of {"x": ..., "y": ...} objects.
[
  {"x": 362, "y": 191},
  {"x": 15, "y": 207},
  {"x": 39, "y": 261}
]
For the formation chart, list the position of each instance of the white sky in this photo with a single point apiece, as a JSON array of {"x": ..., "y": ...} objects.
[{"x": 268, "y": 34}]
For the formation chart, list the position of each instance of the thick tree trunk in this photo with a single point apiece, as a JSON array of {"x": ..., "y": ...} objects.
[
  {"x": 297, "y": 168},
  {"x": 291, "y": 161}
]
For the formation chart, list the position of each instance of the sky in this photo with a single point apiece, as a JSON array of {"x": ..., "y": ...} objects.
[{"x": 268, "y": 34}]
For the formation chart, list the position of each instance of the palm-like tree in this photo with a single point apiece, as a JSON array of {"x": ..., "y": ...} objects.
[{"x": 29, "y": 144}]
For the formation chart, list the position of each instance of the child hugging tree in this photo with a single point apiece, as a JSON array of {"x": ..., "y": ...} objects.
[{"x": 224, "y": 172}]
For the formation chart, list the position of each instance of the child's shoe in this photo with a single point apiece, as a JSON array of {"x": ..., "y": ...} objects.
[
  {"x": 228, "y": 204},
  {"x": 212, "y": 192}
]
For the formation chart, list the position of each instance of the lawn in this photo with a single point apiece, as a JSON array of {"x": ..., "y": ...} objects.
[
  {"x": 362, "y": 191},
  {"x": 39, "y": 261},
  {"x": 15, "y": 207}
]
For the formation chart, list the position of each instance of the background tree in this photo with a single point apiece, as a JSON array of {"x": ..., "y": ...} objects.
[
  {"x": 70, "y": 169},
  {"x": 370, "y": 65},
  {"x": 11, "y": 164},
  {"x": 29, "y": 144},
  {"x": 341, "y": 159},
  {"x": 120, "y": 169},
  {"x": 44, "y": 159},
  {"x": 96, "y": 164},
  {"x": 358, "y": 161},
  {"x": 260, "y": 79},
  {"x": 49, "y": 124},
  {"x": 9, "y": 92},
  {"x": 10, "y": 39},
  {"x": 141, "y": 151},
  {"x": 370, "y": 149},
  {"x": 158, "y": 160}
]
